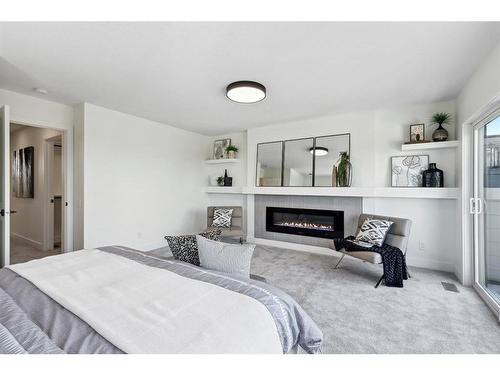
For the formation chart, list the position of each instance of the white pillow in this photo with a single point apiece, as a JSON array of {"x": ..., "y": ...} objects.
[
  {"x": 230, "y": 258},
  {"x": 374, "y": 231}
]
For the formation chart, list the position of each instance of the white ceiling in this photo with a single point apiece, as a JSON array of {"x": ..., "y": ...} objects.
[{"x": 176, "y": 73}]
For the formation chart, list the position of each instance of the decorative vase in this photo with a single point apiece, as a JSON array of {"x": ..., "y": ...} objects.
[
  {"x": 334, "y": 176},
  {"x": 440, "y": 134},
  {"x": 228, "y": 181},
  {"x": 344, "y": 170},
  {"x": 231, "y": 154},
  {"x": 433, "y": 177}
]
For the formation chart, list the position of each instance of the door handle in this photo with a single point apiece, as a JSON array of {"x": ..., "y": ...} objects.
[{"x": 3, "y": 212}]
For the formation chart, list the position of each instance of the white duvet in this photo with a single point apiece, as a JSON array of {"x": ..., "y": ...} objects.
[{"x": 142, "y": 309}]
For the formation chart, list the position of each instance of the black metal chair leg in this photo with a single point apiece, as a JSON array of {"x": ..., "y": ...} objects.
[{"x": 379, "y": 281}]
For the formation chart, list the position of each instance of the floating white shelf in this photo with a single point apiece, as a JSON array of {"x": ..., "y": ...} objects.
[
  {"x": 223, "y": 190},
  {"x": 429, "y": 145},
  {"x": 368, "y": 192},
  {"x": 221, "y": 161}
]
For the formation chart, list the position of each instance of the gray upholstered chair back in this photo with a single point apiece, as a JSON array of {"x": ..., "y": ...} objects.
[
  {"x": 236, "y": 220},
  {"x": 399, "y": 233}
]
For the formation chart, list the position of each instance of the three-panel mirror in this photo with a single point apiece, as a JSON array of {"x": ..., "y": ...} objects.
[{"x": 300, "y": 162}]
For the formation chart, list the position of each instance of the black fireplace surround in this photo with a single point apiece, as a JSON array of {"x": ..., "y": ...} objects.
[{"x": 305, "y": 222}]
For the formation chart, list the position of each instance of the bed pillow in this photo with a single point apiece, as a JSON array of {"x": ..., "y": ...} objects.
[
  {"x": 234, "y": 259},
  {"x": 222, "y": 217},
  {"x": 374, "y": 231},
  {"x": 185, "y": 248}
]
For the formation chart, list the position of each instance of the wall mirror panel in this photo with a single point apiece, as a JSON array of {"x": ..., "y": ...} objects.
[
  {"x": 328, "y": 151},
  {"x": 301, "y": 162},
  {"x": 269, "y": 164},
  {"x": 298, "y": 162}
]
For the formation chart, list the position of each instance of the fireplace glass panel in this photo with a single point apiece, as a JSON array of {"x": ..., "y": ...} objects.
[{"x": 305, "y": 222}]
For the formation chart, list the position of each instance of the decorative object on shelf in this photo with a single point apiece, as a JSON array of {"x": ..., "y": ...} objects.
[
  {"x": 22, "y": 172},
  {"x": 417, "y": 133},
  {"x": 219, "y": 146},
  {"x": 231, "y": 151},
  {"x": 220, "y": 180},
  {"x": 433, "y": 177},
  {"x": 440, "y": 118},
  {"x": 344, "y": 170},
  {"x": 334, "y": 175},
  {"x": 228, "y": 181},
  {"x": 406, "y": 171}
]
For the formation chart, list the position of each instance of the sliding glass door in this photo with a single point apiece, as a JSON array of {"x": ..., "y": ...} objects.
[{"x": 485, "y": 206}]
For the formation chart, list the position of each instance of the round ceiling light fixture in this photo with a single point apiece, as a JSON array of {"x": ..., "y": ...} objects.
[
  {"x": 246, "y": 92},
  {"x": 320, "y": 151}
]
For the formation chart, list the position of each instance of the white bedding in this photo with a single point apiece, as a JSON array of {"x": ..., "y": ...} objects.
[{"x": 142, "y": 309}]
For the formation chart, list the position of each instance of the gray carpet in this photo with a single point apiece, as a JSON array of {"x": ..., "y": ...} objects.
[
  {"x": 22, "y": 251},
  {"x": 357, "y": 318}
]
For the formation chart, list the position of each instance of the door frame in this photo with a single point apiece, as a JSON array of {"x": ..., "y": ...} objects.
[
  {"x": 492, "y": 112},
  {"x": 48, "y": 205},
  {"x": 67, "y": 244},
  {"x": 6, "y": 186}
]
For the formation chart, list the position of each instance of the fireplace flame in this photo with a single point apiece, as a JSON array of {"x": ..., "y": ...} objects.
[{"x": 300, "y": 224}]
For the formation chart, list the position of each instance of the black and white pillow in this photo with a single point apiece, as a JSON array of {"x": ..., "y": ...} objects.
[
  {"x": 185, "y": 248},
  {"x": 222, "y": 217},
  {"x": 374, "y": 231}
]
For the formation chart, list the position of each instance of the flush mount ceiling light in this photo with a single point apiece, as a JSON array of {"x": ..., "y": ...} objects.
[
  {"x": 320, "y": 151},
  {"x": 246, "y": 92}
]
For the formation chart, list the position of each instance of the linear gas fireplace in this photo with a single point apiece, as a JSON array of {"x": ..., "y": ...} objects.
[{"x": 305, "y": 222}]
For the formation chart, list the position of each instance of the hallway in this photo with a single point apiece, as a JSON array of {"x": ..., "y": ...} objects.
[{"x": 21, "y": 251}]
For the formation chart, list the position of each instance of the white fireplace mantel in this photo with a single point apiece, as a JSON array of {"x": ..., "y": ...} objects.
[{"x": 363, "y": 192}]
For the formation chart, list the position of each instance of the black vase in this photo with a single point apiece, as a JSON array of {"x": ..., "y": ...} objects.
[
  {"x": 228, "y": 181},
  {"x": 433, "y": 177}
]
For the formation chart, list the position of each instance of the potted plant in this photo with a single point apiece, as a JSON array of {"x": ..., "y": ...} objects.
[
  {"x": 220, "y": 180},
  {"x": 440, "y": 118},
  {"x": 343, "y": 170},
  {"x": 231, "y": 151}
]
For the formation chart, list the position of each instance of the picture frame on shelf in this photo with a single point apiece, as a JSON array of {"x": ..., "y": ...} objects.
[
  {"x": 417, "y": 133},
  {"x": 220, "y": 147},
  {"x": 407, "y": 171}
]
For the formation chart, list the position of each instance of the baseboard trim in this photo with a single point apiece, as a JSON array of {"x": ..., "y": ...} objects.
[
  {"x": 32, "y": 242},
  {"x": 430, "y": 264},
  {"x": 291, "y": 246}
]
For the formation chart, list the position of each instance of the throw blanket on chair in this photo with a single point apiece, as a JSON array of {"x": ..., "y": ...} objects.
[{"x": 393, "y": 259}]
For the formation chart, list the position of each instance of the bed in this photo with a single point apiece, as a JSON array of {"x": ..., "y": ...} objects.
[{"x": 116, "y": 299}]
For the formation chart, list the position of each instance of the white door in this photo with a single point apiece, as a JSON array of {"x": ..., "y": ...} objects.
[
  {"x": 4, "y": 186},
  {"x": 485, "y": 206}
]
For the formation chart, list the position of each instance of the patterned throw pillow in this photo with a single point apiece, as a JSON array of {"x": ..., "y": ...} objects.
[
  {"x": 234, "y": 259},
  {"x": 374, "y": 231},
  {"x": 222, "y": 217},
  {"x": 185, "y": 248}
]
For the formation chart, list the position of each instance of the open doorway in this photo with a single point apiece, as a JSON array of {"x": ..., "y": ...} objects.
[{"x": 37, "y": 192}]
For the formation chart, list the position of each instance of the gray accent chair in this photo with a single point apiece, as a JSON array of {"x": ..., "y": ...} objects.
[
  {"x": 236, "y": 229},
  {"x": 398, "y": 236}
]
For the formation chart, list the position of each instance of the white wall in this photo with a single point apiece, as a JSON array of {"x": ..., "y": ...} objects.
[
  {"x": 27, "y": 222},
  {"x": 142, "y": 179},
  {"x": 375, "y": 137},
  {"x": 482, "y": 87}
]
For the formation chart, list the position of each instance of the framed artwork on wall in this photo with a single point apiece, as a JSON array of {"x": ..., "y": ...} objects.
[
  {"x": 417, "y": 133},
  {"x": 220, "y": 148},
  {"x": 406, "y": 171},
  {"x": 23, "y": 163}
]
